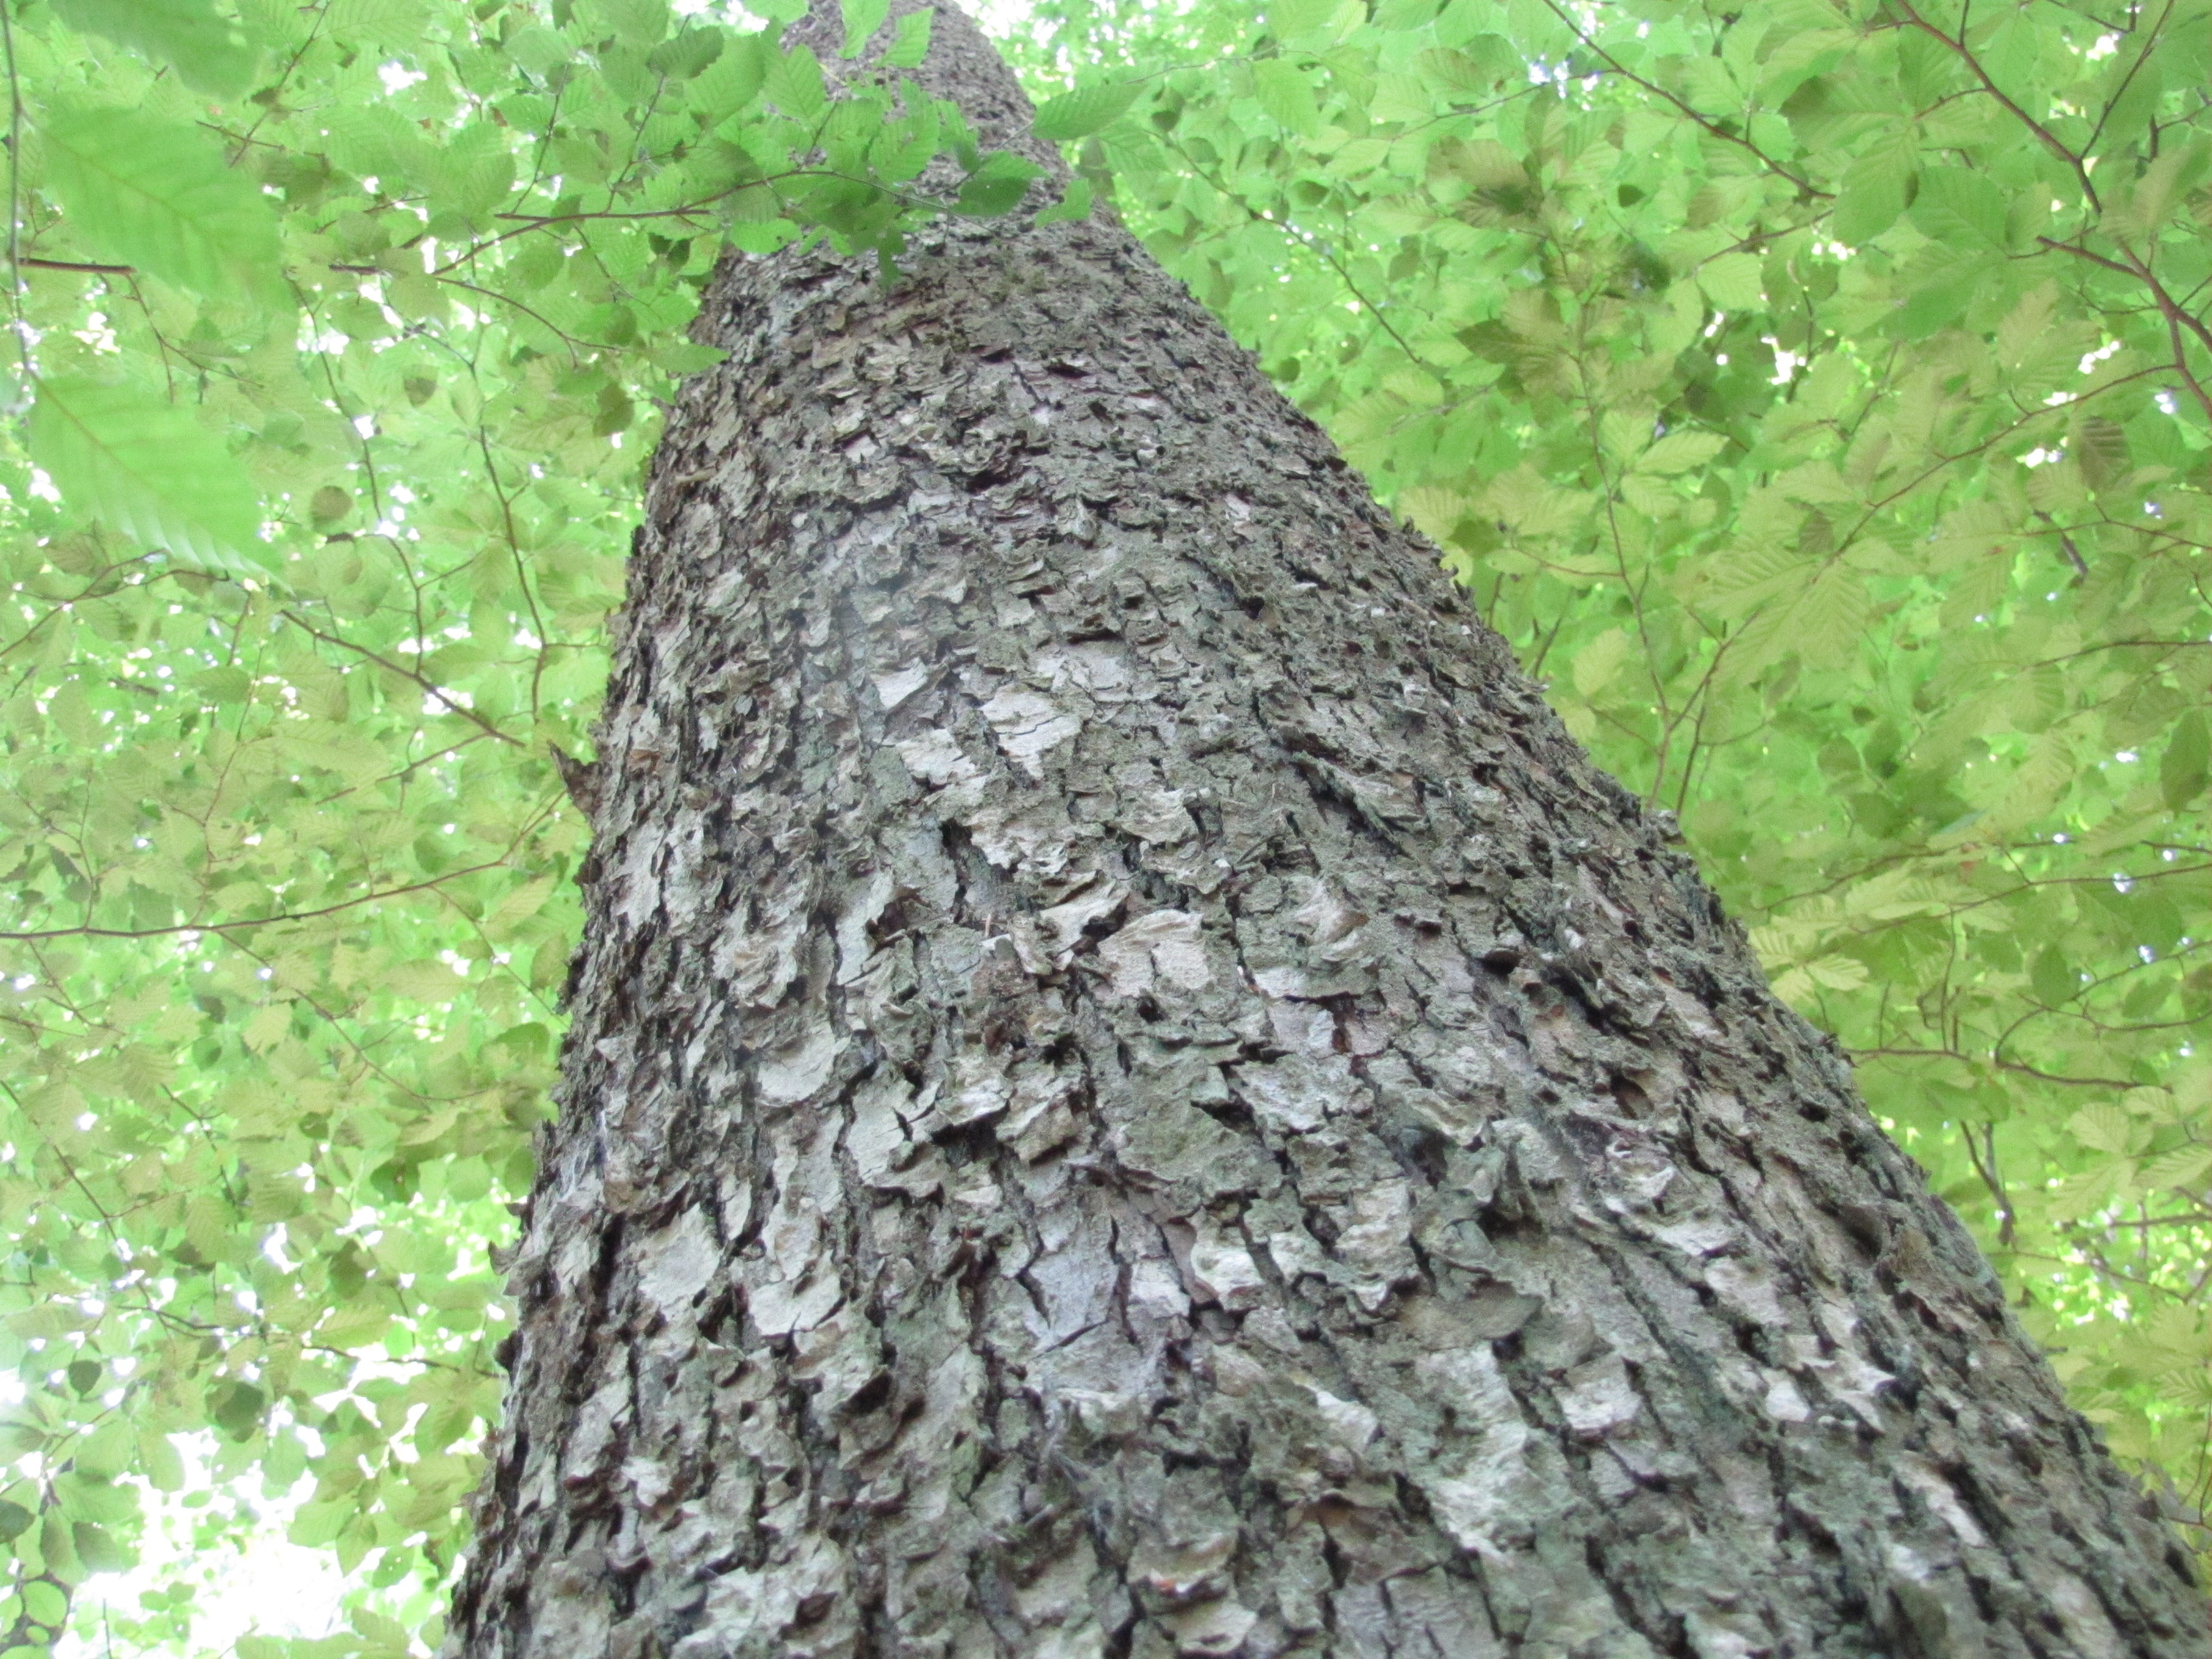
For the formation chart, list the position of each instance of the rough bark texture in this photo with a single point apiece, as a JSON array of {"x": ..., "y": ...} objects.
[{"x": 1133, "y": 1092}]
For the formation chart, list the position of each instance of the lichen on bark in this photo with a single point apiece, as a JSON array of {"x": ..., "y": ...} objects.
[{"x": 1133, "y": 1092}]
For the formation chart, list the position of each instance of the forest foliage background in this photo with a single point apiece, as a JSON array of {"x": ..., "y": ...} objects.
[{"x": 1817, "y": 394}]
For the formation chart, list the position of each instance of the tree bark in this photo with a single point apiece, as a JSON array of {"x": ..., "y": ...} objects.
[{"x": 1133, "y": 1092}]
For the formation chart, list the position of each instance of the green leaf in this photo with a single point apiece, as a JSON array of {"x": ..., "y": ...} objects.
[
  {"x": 2101, "y": 447},
  {"x": 1295, "y": 19},
  {"x": 1076, "y": 204},
  {"x": 97, "y": 1548},
  {"x": 315, "y": 1525},
  {"x": 909, "y": 41},
  {"x": 1733, "y": 282},
  {"x": 794, "y": 85},
  {"x": 538, "y": 49},
  {"x": 1959, "y": 207},
  {"x": 207, "y": 50},
  {"x": 2105, "y": 1127},
  {"x": 1077, "y": 114},
  {"x": 385, "y": 22},
  {"x": 862, "y": 19},
  {"x": 2182, "y": 770},
  {"x": 159, "y": 196},
  {"x": 149, "y": 471},
  {"x": 46, "y": 1603},
  {"x": 997, "y": 185},
  {"x": 1596, "y": 663},
  {"x": 475, "y": 169},
  {"x": 1286, "y": 93},
  {"x": 1678, "y": 451},
  {"x": 2052, "y": 977},
  {"x": 686, "y": 52},
  {"x": 729, "y": 84},
  {"x": 235, "y": 1407},
  {"x": 164, "y": 1468},
  {"x": 1872, "y": 196}
]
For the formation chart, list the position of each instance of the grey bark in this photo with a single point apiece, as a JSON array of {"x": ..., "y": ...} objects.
[{"x": 1133, "y": 1092}]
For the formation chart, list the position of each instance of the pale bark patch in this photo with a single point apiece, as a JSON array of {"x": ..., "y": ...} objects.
[
  {"x": 1164, "y": 945},
  {"x": 1029, "y": 727}
]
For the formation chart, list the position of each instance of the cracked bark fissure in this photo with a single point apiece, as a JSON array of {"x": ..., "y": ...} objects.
[{"x": 1133, "y": 1092}]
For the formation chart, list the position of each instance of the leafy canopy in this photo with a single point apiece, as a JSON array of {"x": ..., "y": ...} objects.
[{"x": 1815, "y": 393}]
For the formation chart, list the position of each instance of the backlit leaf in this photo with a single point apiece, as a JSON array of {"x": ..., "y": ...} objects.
[
  {"x": 209, "y": 50},
  {"x": 1079, "y": 114},
  {"x": 149, "y": 471},
  {"x": 909, "y": 41},
  {"x": 161, "y": 197},
  {"x": 862, "y": 18},
  {"x": 1286, "y": 95}
]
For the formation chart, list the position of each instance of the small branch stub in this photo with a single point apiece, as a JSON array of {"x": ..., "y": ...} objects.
[{"x": 580, "y": 778}]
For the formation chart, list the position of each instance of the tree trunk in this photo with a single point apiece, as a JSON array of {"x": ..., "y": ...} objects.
[{"x": 1133, "y": 1092}]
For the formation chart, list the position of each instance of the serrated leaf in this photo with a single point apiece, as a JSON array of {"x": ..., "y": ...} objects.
[
  {"x": 2184, "y": 1167},
  {"x": 1596, "y": 663},
  {"x": 2153, "y": 197},
  {"x": 1286, "y": 93},
  {"x": 909, "y": 41},
  {"x": 151, "y": 473},
  {"x": 862, "y": 18},
  {"x": 686, "y": 52},
  {"x": 729, "y": 84},
  {"x": 385, "y": 22},
  {"x": 1455, "y": 72},
  {"x": 2182, "y": 770},
  {"x": 1754, "y": 576},
  {"x": 312, "y": 1527},
  {"x": 1076, "y": 204},
  {"x": 2052, "y": 977},
  {"x": 1733, "y": 282},
  {"x": 525, "y": 901},
  {"x": 1523, "y": 500},
  {"x": 997, "y": 185},
  {"x": 1077, "y": 114},
  {"x": 235, "y": 1407},
  {"x": 2011, "y": 53},
  {"x": 1295, "y": 19},
  {"x": 2101, "y": 447},
  {"x": 2027, "y": 324},
  {"x": 794, "y": 85},
  {"x": 158, "y": 1459},
  {"x": 2104, "y": 1127},
  {"x": 1678, "y": 451},
  {"x": 1958, "y": 208},
  {"x": 475, "y": 169},
  {"x": 380, "y": 140},
  {"x": 1872, "y": 196},
  {"x": 208, "y": 50},
  {"x": 160, "y": 196},
  {"x": 1435, "y": 512},
  {"x": 538, "y": 49},
  {"x": 1838, "y": 973}
]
